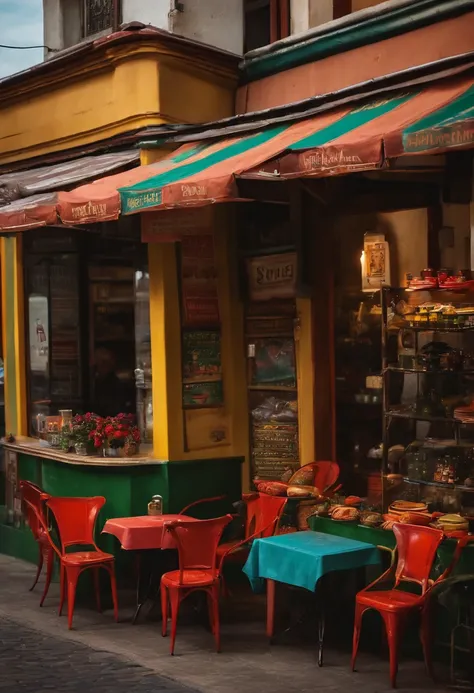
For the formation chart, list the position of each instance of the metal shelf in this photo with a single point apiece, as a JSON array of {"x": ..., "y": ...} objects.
[
  {"x": 425, "y": 371},
  {"x": 420, "y": 417},
  {"x": 439, "y": 484},
  {"x": 433, "y": 328}
]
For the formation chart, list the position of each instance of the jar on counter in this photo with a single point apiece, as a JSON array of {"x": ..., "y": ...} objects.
[{"x": 155, "y": 506}]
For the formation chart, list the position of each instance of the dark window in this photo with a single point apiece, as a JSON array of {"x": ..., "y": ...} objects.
[
  {"x": 266, "y": 21},
  {"x": 100, "y": 15}
]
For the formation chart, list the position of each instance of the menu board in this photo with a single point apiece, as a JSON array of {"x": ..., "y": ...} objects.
[{"x": 274, "y": 449}]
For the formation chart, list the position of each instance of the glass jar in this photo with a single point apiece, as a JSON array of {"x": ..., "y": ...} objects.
[
  {"x": 155, "y": 506},
  {"x": 66, "y": 418}
]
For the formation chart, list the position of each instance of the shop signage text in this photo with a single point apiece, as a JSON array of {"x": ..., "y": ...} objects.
[{"x": 272, "y": 276}]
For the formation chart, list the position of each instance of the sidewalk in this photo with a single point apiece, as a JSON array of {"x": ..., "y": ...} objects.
[{"x": 247, "y": 663}]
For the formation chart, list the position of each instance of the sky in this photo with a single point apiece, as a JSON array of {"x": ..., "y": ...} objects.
[{"x": 21, "y": 24}]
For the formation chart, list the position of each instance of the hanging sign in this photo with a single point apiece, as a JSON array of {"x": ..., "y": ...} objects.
[
  {"x": 375, "y": 262},
  {"x": 272, "y": 276},
  {"x": 169, "y": 226}
]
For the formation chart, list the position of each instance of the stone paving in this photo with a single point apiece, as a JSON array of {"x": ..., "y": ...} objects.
[
  {"x": 31, "y": 661},
  {"x": 37, "y": 639}
]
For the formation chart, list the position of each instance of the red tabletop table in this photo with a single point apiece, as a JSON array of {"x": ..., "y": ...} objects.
[{"x": 143, "y": 534}]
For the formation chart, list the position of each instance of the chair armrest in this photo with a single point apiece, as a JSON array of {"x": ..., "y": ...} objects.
[
  {"x": 460, "y": 546},
  {"x": 200, "y": 501}
]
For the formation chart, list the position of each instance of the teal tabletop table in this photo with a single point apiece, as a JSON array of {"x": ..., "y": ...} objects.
[{"x": 301, "y": 559}]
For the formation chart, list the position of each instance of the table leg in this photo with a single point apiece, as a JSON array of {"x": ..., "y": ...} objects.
[
  {"x": 271, "y": 588},
  {"x": 321, "y": 626},
  {"x": 140, "y": 599}
]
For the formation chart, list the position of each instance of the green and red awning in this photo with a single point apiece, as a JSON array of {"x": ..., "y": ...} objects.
[
  {"x": 432, "y": 119},
  {"x": 427, "y": 119}
]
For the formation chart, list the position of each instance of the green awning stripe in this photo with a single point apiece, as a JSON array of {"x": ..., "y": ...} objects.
[
  {"x": 458, "y": 110},
  {"x": 351, "y": 121},
  {"x": 148, "y": 193}
]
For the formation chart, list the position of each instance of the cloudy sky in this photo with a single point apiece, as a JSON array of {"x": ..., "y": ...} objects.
[{"x": 21, "y": 24}]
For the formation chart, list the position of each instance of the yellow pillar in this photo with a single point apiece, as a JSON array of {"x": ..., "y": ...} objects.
[
  {"x": 13, "y": 334},
  {"x": 165, "y": 334},
  {"x": 169, "y": 436},
  {"x": 151, "y": 156}
]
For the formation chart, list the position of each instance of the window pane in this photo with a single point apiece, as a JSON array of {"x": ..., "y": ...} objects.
[{"x": 99, "y": 16}]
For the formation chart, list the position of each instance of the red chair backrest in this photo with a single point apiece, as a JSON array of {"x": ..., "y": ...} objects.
[
  {"x": 263, "y": 513},
  {"x": 197, "y": 542},
  {"x": 325, "y": 473},
  {"x": 76, "y": 519},
  {"x": 416, "y": 547},
  {"x": 33, "y": 496}
]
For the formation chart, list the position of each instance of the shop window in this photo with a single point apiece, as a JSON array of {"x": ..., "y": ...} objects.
[
  {"x": 266, "y": 21},
  {"x": 101, "y": 15}
]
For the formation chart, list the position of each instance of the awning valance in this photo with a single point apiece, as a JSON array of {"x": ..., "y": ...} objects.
[
  {"x": 34, "y": 193},
  {"x": 431, "y": 119}
]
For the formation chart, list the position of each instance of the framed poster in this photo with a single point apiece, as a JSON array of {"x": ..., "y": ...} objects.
[
  {"x": 275, "y": 362},
  {"x": 204, "y": 394},
  {"x": 199, "y": 281},
  {"x": 201, "y": 355}
]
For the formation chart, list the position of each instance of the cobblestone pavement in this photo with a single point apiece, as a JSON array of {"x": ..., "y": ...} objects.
[{"x": 31, "y": 662}]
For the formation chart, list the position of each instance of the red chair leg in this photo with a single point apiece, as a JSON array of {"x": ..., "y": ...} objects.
[
  {"x": 174, "y": 602},
  {"x": 39, "y": 567},
  {"x": 97, "y": 589},
  {"x": 113, "y": 587},
  {"x": 216, "y": 627},
  {"x": 164, "y": 611},
  {"x": 271, "y": 587},
  {"x": 210, "y": 611},
  {"x": 49, "y": 556},
  {"x": 62, "y": 588},
  {"x": 359, "y": 612},
  {"x": 426, "y": 638},
  {"x": 394, "y": 626},
  {"x": 72, "y": 576}
]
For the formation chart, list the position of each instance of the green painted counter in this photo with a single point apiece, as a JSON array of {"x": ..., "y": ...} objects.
[{"x": 127, "y": 484}]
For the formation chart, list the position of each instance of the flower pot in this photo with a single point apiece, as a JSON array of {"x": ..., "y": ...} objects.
[
  {"x": 113, "y": 452},
  {"x": 80, "y": 449},
  {"x": 131, "y": 449}
]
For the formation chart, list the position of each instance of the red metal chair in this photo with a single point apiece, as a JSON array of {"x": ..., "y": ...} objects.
[
  {"x": 198, "y": 571},
  {"x": 263, "y": 515},
  {"x": 416, "y": 548},
  {"x": 201, "y": 501},
  {"x": 75, "y": 518},
  {"x": 33, "y": 495},
  {"x": 324, "y": 477}
]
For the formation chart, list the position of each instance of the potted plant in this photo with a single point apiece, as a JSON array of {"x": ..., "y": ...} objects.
[
  {"x": 82, "y": 430},
  {"x": 119, "y": 436}
]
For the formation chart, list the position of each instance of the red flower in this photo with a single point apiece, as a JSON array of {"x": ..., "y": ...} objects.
[{"x": 97, "y": 442}]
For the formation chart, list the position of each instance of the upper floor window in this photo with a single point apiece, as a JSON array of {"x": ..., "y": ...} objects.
[
  {"x": 266, "y": 21},
  {"x": 100, "y": 15}
]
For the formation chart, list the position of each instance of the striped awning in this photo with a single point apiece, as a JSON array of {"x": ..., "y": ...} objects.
[
  {"x": 33, "y": 195},
  {"x": 431, "y": 119}
]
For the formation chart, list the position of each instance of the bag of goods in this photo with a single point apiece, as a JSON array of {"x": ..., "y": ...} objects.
[
  {"x": 371, "y": 519},
  {"x": 422, "y": 519},
  {"x": 302, "y": 492},
  {"x": 453, "y": 523},
  {"x": 304, "y": 476},
  {"x": 276, "y": 488},
  {"x": 353, "y": 500},
  {"x": 345, "y": 514}
]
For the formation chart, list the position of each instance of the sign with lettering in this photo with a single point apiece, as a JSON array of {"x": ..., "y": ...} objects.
[
  {"x": 272, "y": 276},
  {"x": 199, "y": 281},
  {"x": 169, "y": 226}
]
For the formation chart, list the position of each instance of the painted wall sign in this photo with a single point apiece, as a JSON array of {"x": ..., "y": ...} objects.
[
  {"x": 201, "y": 355},
  {"x": 272, "y": 276},
  {"x": 199, "y": 281}
]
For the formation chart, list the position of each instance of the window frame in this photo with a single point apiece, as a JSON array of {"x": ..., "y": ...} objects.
[{"x": 114, "y": 26}]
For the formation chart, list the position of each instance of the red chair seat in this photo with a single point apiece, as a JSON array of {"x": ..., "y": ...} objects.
[
  {"x": 83, "y": 557},
  {"x": 390, "y": 600},
  {"x": 189, "y": 578}
]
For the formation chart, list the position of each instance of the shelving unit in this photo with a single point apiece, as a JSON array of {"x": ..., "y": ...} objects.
[{"x": 433, "y": 467}]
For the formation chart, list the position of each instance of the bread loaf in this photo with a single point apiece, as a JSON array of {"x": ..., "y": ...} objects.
[{"x": 302, "y": 492}]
